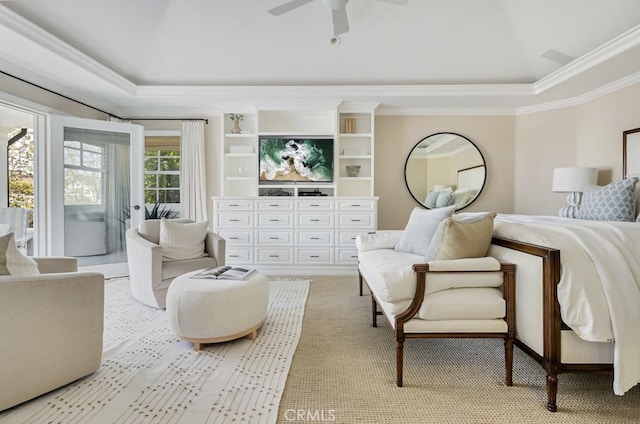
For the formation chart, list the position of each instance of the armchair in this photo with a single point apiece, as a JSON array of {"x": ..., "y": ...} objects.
[
  {"x": 51, "y": 326},
  {"x": 16, "y": 220},
  {"x": 151, "y": 276}
]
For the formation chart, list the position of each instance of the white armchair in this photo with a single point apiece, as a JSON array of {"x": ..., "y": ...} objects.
[
  {"x": 51, "y": 326},
  {"x": 151, "y": 276}
]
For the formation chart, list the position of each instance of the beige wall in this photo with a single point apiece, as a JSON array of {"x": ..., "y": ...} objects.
[
  {"x": 396, "y": 136},
  {"x": 586, "y": 135}
]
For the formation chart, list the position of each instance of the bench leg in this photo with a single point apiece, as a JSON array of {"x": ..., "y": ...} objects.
[
  {"x": 374, "y": 312},
  {"x": 508, "y": 361},
  {"x": 399, "y": 358}
]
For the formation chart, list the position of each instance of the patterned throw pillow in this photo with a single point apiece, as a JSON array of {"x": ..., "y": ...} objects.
[
  {"x": 431, "y": 199},
  {"x": 445, "y": 198},
  {"x": 613, "y": 202}
]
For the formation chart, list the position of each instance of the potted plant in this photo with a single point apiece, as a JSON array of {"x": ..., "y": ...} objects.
[{"x": 236, "y": 118}]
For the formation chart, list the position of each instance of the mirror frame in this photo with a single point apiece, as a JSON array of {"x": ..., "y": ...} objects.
[
  {"x": 484, "y": 164},
  {"x": 627, "y": 137}
]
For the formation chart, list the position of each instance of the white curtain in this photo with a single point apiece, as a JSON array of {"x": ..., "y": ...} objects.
[
  {"x": 117, "y": 195},
  {"x": 193, "y": 185}
]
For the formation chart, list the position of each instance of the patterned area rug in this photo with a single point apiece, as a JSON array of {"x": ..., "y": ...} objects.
[{"x": 149, "y": 376}]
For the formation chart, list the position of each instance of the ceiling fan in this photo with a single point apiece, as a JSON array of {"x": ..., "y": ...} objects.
[{"x": 338, "y": 10}]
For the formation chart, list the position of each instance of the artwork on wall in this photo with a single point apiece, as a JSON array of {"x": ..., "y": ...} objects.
[{"x": 631, "y": 153}]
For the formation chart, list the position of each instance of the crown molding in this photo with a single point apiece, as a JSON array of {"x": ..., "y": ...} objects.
[
  {"x": 606, "y": 51},
  {"x": 382, "y": 111},
  {"x": 45, "y": 40}
]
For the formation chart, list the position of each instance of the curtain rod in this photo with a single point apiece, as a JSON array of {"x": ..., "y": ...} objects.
[
  {"x": 58, "y": 94},
  {"x": 206, "y": 121}
]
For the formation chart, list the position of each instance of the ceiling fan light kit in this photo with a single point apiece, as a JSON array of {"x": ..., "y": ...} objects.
[{"x": 338, "y": 13}]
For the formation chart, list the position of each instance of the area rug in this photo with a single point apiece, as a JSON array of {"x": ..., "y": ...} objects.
[{"x": 149, "y": 376}]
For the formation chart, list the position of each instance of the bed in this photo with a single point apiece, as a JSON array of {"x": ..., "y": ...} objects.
[{"x": 577, "y": 294}]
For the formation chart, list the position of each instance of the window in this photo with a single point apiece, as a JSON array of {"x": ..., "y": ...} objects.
[
  {"x": 83, "y": 173},
  {"x": 162, "y": 170}
]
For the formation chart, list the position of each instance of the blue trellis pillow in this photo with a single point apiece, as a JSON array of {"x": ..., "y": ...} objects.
[{"x": 613, "y": 202}]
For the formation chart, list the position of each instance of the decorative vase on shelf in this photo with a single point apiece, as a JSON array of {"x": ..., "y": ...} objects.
[
  {"x": 353, "y": 170},
  {"x": 236, "y": 118}
]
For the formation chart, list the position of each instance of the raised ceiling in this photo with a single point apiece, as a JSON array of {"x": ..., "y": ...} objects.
[{"x": 162, "y": 57}]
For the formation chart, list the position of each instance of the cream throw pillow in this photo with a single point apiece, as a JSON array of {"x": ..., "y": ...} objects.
[
  {"x": 466, "y": 239},
  {"x": 12, "y": 261},
  {"x": 180, "y": 241}
]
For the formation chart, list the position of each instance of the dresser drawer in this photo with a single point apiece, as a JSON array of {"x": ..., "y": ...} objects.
[
  {"x": 348, "y": 238},
  {"x": 234, "y": 220},
  {"x": 315, "y": 220},
  {"x": 279, "y": 237},
  {"x": 233, "y": 205},
  {"x": 314, "y": 205},
  {"x": 274, "y": 219},
  {"x": 346, "y": 256},
  {"x": 314, "y": 238},
  {"x": 314, "y": 256},
  {"x": 274, "y": 256},
  {"x": 239, "y": 255},
  {"x": 354, "y": 205},
  {"x": 237, "y": 237},
  {"x": 274, "y": 205},
  {"x": 355, "y": 220}
]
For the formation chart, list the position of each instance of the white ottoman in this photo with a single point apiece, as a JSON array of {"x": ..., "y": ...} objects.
[{"x": 211, "y": 311}]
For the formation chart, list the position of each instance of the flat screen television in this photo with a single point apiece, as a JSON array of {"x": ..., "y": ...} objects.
[{"x": 295, "y": 159}]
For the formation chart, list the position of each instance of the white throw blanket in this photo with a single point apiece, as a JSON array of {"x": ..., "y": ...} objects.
[{"x": 599, "y": 289}]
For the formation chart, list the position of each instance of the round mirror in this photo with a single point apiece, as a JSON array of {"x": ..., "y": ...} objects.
[{"x": 445, "y": 169}]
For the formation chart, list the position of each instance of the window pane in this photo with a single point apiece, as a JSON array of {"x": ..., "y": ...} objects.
[
  {"x": 169, "y": 196},
  {"x": 72, "y": 157},
  {"x": 169, "y": 164},
  {"x": 75, "y": 144},
  {"x": 92, "y": 160},
  {"x": 92, "y": 148},
  {"x": 82, "y": 187},
  {"x": 149, "y": 153},
  {"x": 150, "y": 181},
  {"x": 169, "y": 153},
  {"x": 151, "y": 164},
  {"x": 165, "y": 180},
  {"x": 150, "y": 196}
]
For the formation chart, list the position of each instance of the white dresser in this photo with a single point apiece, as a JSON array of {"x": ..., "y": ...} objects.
[{"x": 312, "y": 235}]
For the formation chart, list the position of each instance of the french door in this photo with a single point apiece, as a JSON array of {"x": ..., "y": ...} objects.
[{"x": 97, "y": 193}]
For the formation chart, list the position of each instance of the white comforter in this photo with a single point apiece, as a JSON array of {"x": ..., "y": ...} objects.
[{"x": 599, "y": 289}]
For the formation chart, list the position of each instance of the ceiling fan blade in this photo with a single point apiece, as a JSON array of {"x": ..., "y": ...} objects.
[
  {"x": 398, "y": 2},
  {"x": 340, "y": 21},
  {"x": 287, "y": 7}
]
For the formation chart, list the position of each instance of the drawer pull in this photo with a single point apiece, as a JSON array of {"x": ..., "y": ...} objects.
[
  {"x": 315, "y": 206},
  {"x": 314, "y": 220},
  {"x": 234, "y": 220},
  {"x": 355, "y": 206},
  {"x": 314, "y": 238},
  {"x": 274, "y": 206},
  {"x": 234, "y": 256},
  {"x": 234, "y": 205},
  {"x": 274, "y": 256},
  {"x": 352, "y": 238},
  {"x": 315, "y": 256},
  {"x": 355, "y": 220},
  {"x": 234, "y": 238},
  {"x": 274, "y": 238},
  {"x": 354, "y": 256},
  {"x": 274, "y": 220}
]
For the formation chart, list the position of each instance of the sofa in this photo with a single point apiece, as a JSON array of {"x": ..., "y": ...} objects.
[
  {"x": 467, "y": 297},
  {"x": 51, "y": 329},
  {"x": 151, "y": 272}
]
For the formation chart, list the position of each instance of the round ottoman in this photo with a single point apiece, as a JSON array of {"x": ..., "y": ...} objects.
[{"x": 211, "y": 311}]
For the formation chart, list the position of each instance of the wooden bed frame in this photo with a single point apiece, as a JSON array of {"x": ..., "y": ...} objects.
[{"x": 552, "y": 325}]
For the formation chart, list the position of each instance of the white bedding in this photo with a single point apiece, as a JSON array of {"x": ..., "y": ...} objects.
[{"x": 599, "y": 289}]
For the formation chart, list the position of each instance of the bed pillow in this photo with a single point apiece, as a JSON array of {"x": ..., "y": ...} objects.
[
  {"x": 420, "y": 229},
  {"x": 613, "y": 202},
  {"x": 445, "y": 198},
  {"x": 431, "y": 199},
  {"x": 180, "y": 241},
  {"x": 462, "y": 238},
  {"x": 12, "y": 261}
]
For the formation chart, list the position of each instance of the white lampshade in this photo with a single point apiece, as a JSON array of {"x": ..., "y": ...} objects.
[{"x": 573, "y": 179}]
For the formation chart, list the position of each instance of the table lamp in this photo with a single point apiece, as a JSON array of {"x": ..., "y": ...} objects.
[{"x": 572, "y": 180}]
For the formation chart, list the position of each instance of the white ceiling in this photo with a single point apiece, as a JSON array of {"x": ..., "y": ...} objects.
[{"x": 163, "y": 57}]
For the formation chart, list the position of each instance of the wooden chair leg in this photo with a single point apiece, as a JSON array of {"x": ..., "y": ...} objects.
[
  {"x": 399, "y": 358},
  {"x": 360, "y": 282},
  {"x": 374, "y": 312},
  {"x": 552, "y": 390},
  {"x": 508, "y": 361}
]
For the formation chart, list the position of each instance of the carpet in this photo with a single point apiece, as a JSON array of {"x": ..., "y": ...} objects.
[
  {"x": 149, "y": 376},
  {"x": 343, "y": 371}
]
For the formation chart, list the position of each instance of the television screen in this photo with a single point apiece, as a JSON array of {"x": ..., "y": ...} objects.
[{"x": 296, "y": 159}]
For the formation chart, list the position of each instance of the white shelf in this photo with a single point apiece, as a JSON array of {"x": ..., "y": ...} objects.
[
  {"x": 355, "y": 157},
  {"x": 241, "y": 135},
  {"x": 355, "y": 178},
  {"x": 239, "y": 155},
  {"x": 295, "y": 134},
  {"x": 355, "y": 135},
  {"x": 239, "y": 178}
]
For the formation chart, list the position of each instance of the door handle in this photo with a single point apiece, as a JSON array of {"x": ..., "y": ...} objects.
[{"x": 136, "y": 207}]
